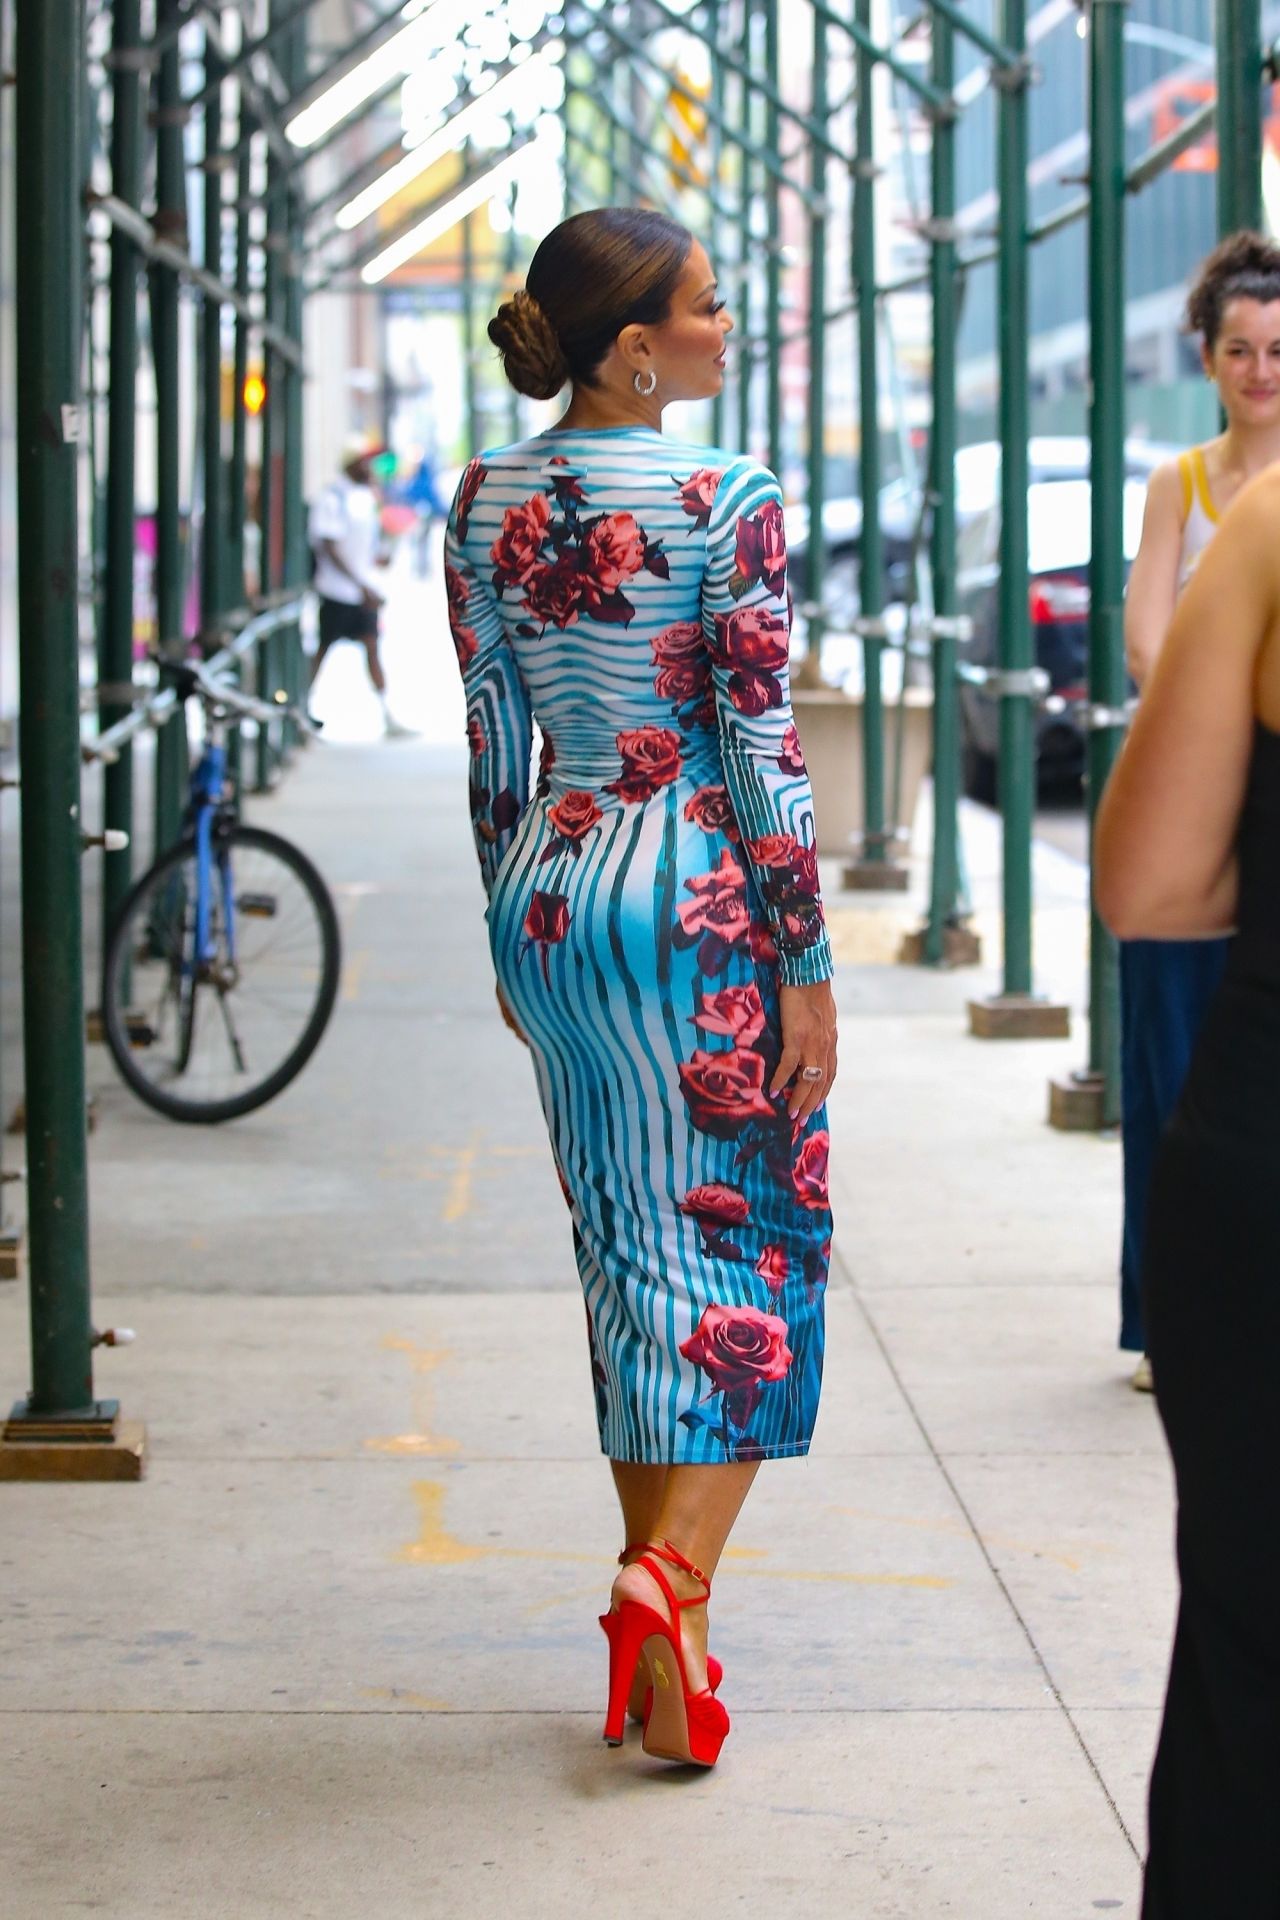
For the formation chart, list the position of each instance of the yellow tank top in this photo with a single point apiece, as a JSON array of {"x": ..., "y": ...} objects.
[{"x": 1199, "y": 515}]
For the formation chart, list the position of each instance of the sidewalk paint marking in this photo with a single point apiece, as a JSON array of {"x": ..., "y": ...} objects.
[
  {"x": 434, "y": 1546},
  {"x": 437, "y": 1547},
  {"x": 404, "y": 1699},
  {"x": 424, "y": 1361},
  {"x": 1072, "y": 1562},
  {"x": 458, "y": 1203},
  {"x": 353, "y": 973}
]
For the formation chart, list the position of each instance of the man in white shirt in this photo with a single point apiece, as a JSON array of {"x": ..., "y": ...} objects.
[{"x": 345, "y": 536}]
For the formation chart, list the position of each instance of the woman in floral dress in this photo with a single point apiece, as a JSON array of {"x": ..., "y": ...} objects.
[{"x": 654, "y": 911}]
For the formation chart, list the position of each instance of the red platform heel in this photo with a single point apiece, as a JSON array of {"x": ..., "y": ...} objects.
[
  {"x": 678, "y": 1724},
  {"x": 715, "y": 1672}
]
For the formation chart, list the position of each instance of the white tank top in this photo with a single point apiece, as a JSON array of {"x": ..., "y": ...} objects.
[{"x": 1199, "y": 515}]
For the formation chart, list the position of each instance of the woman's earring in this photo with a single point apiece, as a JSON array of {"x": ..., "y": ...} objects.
[{"x": 644, "y": 391}]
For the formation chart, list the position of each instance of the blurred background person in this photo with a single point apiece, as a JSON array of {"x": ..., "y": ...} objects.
[
  {"x": 1166, "y": 985},
  {"x": 345, "y": 533}
]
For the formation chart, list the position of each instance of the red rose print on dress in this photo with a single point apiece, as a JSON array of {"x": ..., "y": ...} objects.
[
  {"x": 554, "y": 594},
  {"x": 773, "y": 849},
  {"x": 697, "y": 495},
  {"x": 468, "y": 487},
  {"x": 546, "y": 925},
  {"x": 762, "y": 945},
  {"x": 811, "y": 1172},
  {"x": 761, "y": 551},
  {"x": 791, "y": 759},
  {"x": 458, "y": 594},
  {"x": 724, "y": 1092},
  {"x": 774, "y": 1269},
  {"x": 573, "y": 816},
  {"x": 717, "y": 917},
  {"x": 736, "y": 1012},
  {"x": 517, "y": 551},
  {"x": 717, "y": 1207},
  {"x": 650, "y": 760},
  {"x": 613, "y": 551},
  {"x": 754, "y": 645},
  {"x": 712, "y": 810},
  {"x": 684, "y": 669},
  {"x": 738, "y": 1347},
  {"x": 742, "y": 1350},
  {"x": 476, "y": 737}
]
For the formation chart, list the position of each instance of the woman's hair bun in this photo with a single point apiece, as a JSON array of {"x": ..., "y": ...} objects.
[
  {"x": 1244, "y": 266},
  {"x": 532, "y": 357}
]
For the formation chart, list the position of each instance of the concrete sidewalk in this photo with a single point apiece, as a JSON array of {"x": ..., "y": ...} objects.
[{"x": 338, "y": 1652}]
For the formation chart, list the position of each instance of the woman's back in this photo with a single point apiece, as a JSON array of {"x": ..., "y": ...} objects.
[{"x": 594, "y": 546}]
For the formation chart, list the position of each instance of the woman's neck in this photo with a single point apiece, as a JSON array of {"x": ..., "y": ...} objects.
[
  {"x": 594, "y": 407},
  {"x": 1248, "y": 450}
]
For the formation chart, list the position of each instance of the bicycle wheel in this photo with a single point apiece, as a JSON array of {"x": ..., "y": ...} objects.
[{"x": 209, "y": 1041}]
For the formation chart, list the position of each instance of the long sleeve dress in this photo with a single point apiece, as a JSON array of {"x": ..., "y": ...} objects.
[{"x": 645, "y": 901}]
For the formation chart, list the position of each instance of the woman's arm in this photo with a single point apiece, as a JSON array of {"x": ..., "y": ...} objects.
[
  {"x": 1164, "y": 849},
  {"x": 499, "y": 717},
  {"x": 746, "y": 619},
  {"x": 1152, "y": 592}
]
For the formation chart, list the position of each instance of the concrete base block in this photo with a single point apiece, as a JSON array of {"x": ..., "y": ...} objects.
[
  {"x": 11, "y": 1254},
  {"x": 961, "y": 947},
  {"x": 123, "y": 1457},
  {"x": 875, "y": 876},
  {"x": 1018, "y": 1016},
  {"x": 1077, "y": 1104}
]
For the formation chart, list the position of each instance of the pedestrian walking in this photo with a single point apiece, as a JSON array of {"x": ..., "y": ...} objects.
[
  {"x": 1188, "y": 846},
  {"x": 654, "y": 911},
  {"x": 1166, "y": 986},
  {"x": 346, "y": 539}
]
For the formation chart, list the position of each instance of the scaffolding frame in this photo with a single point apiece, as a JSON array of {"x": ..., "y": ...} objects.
[{"x": 617, "y": 131}]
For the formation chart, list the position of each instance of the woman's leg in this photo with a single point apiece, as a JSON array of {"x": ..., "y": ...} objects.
[
  {"x": 640, "y": 1489},
  {"x": 696, "y": 1513}
]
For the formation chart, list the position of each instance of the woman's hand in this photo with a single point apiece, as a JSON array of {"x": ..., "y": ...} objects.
[
  {"x": 808, "y": 1040},
  {"x": 510, "y": 1018}
]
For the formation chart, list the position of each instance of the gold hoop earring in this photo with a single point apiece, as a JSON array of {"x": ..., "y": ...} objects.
[{"x": 644, "y": 391}]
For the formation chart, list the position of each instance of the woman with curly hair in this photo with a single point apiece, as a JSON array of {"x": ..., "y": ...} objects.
[
  {"x": 654, "y": 912},
  {"x": 1188, "y": 848},
  {"x": 1166, "y": 985}
]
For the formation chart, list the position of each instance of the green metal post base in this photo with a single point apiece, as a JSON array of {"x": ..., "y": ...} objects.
[
  {"x": 875, "y": 876},
  {"x": 90, "y": 1443},
  {"x": 11, "y": 1256},
  {"x": 961, "y": 947},
  {"x": 1080, "y": 1104},
  {"x": 1018, "y": 1016}
]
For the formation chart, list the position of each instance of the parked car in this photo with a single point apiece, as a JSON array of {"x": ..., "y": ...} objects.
[
  {"x": 1059, "y": 543},
  {"x": 1049, "y": 456}
]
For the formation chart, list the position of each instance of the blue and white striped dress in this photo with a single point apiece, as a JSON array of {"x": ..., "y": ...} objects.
[{"x": 629, "y": 593}]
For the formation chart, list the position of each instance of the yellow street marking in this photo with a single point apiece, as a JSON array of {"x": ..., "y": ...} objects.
[
  {"x": 458, "y": 1203},
  {"x": 404, "y": 1699},
  {"x": 424, "y": 1361},
  {"x": 437, "y": 1547},
  {"x": 958, "y": 1530},
  {"x": 353, "y": 973}
]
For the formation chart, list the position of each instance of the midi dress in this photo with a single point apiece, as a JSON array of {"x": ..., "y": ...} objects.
[{"x": 648, "y": 892}]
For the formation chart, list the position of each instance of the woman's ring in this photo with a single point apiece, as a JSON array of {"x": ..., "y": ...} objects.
[{"x": 811, "y": 1073}]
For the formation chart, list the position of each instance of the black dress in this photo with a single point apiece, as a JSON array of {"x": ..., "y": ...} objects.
[{"x": 1212, "y": 1286}]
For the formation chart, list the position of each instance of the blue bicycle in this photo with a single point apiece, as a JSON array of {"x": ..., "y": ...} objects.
[{"x": 222, "y": 969}]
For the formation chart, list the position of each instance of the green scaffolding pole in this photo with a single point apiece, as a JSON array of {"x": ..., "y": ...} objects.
[
  {"x": 872, "y": 869},
  {"x": 171, "y": 222},
  {"x": 1015, "y": 1013},
  {"x": 1107, "y": 676},
  {"x": 212, "y": 570},
  {"x": 816, "y": 550},
  {"x": 773, "y": 247},
  {"x": 293, "y": 59},
  {"x": 49, "y": 46},
  {"x": 945, "y": 937},
  {"x": 115, "y": 650},
  {"x": 1239, "y": 37}
]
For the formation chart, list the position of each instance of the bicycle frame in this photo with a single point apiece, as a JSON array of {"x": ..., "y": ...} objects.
[{"x": 209, "y": 803}]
